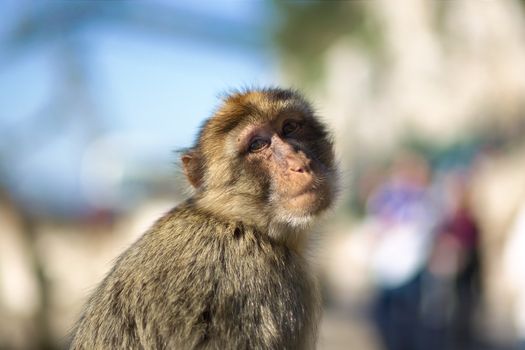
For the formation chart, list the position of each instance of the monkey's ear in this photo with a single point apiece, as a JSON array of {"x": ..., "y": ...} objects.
[{"x": 191, "y": 164}]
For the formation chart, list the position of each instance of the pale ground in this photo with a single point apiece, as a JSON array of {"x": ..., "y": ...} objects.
[{"x": 342, "y": 331}]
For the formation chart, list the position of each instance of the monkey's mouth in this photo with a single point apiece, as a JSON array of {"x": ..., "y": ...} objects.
[{"x": 310, "y": 199}]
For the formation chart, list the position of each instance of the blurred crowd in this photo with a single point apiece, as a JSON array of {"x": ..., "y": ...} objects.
[
  {"x": 419, "y": 240},
  {"x": 425, "y": 257}
]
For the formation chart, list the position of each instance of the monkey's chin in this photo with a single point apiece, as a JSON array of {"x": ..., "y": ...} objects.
[
  {"x": 285, "y": 222},
  {"x": 300, "y": 211}
]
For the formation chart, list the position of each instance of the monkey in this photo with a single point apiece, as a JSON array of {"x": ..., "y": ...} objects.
[{"x": 227, "y": 268}]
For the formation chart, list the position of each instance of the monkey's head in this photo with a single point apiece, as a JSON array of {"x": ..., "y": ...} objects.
[{"x": 264, "y": 159}]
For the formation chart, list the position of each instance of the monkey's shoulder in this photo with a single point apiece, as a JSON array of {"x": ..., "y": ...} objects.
[
  {"x": 194, "y": 280},
  {"x": 189, "y": 222},
  {"x": 187, "y": 239},
  {"x": 187, "y": 217}
]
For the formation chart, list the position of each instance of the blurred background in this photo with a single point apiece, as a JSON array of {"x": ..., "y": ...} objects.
[{"x": 426, "y": 99}]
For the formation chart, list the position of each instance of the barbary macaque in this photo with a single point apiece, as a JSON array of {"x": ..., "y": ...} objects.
[{"x": 226, "y": 269}]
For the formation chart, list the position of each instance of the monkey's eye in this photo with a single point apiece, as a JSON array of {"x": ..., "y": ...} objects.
[
  {"x": 290, "y": 127},
  {"x": 257, "y": 145}
]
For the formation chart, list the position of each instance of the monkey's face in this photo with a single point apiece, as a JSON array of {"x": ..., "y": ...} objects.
[
  {"x": 267, "y": 159},
  {"x": 282, "y": 159}
]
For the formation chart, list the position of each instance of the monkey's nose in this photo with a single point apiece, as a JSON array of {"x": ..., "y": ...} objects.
[
  {"x": 298, "y": 165},
  {"x": 298, "y": 169}
]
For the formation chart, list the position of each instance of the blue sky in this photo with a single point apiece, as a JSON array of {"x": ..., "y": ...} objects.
[{"x": 149, "y": 90}]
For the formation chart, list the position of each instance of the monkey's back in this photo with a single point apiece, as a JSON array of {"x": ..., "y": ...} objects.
[{"x": 193, "y": 281}]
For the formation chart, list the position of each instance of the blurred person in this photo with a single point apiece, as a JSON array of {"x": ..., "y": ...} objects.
[
  {"x": 403, "y": 214},
  {"x": 452, "y": 280}
]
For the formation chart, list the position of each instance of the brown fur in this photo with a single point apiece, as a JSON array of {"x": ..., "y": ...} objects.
[{"x": 226, "y": 269}]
